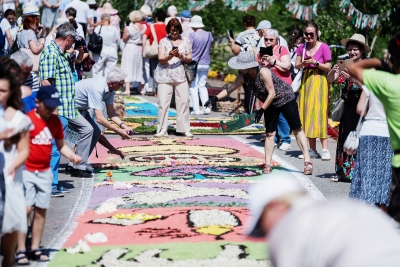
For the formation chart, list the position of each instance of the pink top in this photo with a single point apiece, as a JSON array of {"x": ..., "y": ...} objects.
[
  {"x": 322, "y": 55},
  {"x": 278, "y": 52}
]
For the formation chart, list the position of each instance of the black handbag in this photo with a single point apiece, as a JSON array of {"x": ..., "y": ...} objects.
[{"x": 95, "y": 42}]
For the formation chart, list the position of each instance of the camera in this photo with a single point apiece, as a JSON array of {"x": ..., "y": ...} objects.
[{"x": 78, "y": 42}]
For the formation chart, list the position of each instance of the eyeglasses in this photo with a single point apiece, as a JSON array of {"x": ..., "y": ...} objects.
[
  {"x": 352, "y": 49},
  {"x": 269, "y": 39},
  {"x": 311, "y": 34}
]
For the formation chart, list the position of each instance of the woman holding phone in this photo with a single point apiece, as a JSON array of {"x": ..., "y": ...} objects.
[
  {"x": 350, "y": 92},
  {"x": 173, "y": 51},
  {"x": 313, "y": 93}
]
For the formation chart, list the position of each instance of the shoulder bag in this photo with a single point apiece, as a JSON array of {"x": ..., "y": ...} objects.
[
  {"x": 95, "y": 44},
  {"x": 35, "y": 58},
  {"x": 338, "y": 109},
  {"x": 151, "y": 51},
  {"x": 353, "y": 139},
  {"x": 192, "y": 66},
  {"x": 296, "y": 83}
]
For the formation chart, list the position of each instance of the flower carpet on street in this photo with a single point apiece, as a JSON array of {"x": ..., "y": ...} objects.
[
  {"x": 139, "y": 107},
  {"x": 171, "y": 202}
]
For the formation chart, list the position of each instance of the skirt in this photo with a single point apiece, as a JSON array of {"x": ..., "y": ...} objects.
[
  {"x": 313, "y": 103},
  {"x": 373, "y": 170}
]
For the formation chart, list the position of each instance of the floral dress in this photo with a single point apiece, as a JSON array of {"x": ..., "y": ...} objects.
[
  {"x": 344, "y": 164},
  {"x": 173, "y": 71}
]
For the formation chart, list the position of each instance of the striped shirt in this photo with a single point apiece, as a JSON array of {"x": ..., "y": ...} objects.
[{"x": 54, "y": 65}]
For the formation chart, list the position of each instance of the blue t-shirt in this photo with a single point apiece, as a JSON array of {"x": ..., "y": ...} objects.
[
  {"x": 29, "y": 102},
  {"x": 201, "y": 40}
]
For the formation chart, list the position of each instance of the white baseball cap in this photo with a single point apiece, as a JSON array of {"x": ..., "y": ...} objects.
[
  {"x": 264, "y": 24},
  {"x": 261, "y": 194}
]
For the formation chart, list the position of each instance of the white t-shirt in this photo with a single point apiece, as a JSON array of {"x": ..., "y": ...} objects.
[
  {"x": 80, "y": 31},
  {"x": 89, "y": 93},
  {"x": 110, "y": 40},
  {"x": 83, "y": 11},
  {"x": 248, "y": 40},
  {"x": 375, "y": 121},
  {"x": 5, "y": 25}
]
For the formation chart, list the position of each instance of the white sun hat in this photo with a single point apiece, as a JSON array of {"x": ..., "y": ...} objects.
[
  {"x": 196, "y": 22},
  {"x": 262, "y": 193},
  {"x": 30, "y": 10},
  {"x": 245, "y": 60},
  {"x": 91, "y": 2}
]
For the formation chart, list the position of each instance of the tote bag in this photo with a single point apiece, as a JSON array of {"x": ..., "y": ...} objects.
[
  {"x": 151, "y": 51},
  {"x": 296, "y": 83}
]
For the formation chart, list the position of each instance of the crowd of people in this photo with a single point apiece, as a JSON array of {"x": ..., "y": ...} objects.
[{"x": 44, "y": 92}]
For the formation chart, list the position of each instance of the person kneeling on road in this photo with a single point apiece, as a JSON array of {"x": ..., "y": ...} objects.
[
  {"x": 38, "y": 176},
  {"x": 89, "y": 94}
]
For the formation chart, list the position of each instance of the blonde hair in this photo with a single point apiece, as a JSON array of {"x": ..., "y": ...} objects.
[
  {"x": 105, "y": 16},
  {"x": 136, "y": 16}
]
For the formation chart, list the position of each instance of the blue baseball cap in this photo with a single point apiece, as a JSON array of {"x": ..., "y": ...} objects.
[
  {"x": 49, "y": 96},
  {"x": 186, "y": 14}
]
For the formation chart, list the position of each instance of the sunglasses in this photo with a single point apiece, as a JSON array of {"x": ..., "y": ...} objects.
[
  {"x": 269, "y": 39},
  {"x": 311, "y": 34}
]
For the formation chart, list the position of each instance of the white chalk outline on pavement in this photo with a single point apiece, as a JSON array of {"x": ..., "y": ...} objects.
[
  {"x": 80, "y": 207},
  {"x": 299, "y": 176}
]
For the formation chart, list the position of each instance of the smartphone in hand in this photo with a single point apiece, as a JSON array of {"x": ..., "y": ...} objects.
[
  {"x": 230, "y": 34},
  {"x": 266, "y": 51},
  {"x": 174, "y": 47}
]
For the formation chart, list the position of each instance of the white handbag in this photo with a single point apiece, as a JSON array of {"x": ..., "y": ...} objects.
[
  {"x": 151, "y": 51},
  {"x": 296, "y": 83},
  {"x": 353, "y": 139}
]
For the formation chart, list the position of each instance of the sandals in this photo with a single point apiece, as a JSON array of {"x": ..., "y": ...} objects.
[
  {"x": 20, "y": 256},
  {"x": 308, "y": 168},
  {"x": 37, "y": 254},
  {"x": 267, "y": 169}
]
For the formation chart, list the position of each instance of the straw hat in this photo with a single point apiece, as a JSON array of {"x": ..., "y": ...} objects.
[
  {"x": 358, "y": 38},
  {"x": 30, "y": 10},
  {"x": 107, "y": 8},
  {"x": 196, "y": 22},
  {"x": 245, "y": 60}
]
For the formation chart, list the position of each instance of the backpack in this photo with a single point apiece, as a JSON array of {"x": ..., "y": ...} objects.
[{"x": 2, "y": 37}]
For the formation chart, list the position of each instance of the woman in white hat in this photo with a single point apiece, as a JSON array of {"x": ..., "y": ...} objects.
[
  {"x": 201, "y": 41},
  {"x": 277, "y": 97},
  {"x": 114, "y": 19},
  {"x": 350, "y": 93}
]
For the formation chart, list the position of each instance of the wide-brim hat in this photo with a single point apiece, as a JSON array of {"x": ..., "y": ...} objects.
[
  {"x": 61, "y": 21},
  {"x": 358, "y": 38},
  {"x": 196, "y": 22},
  {"x": 91, "y": 2},
  {"x": 245, "y": 60},
  {"x": 29, "y": 9},
  {"x": 107, "y": 8},
  {"x": 262, "y": 193}
]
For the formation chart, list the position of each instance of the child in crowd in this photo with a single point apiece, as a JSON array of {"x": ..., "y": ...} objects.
[{"x": 38, "y": 176}]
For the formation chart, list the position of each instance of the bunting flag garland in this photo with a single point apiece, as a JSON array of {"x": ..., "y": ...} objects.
[
  {"x": 153, "y": 4},
  {"x": 361, "y": 20},
  {"x": 302, "y": 12},
  {"x": 196, "y": 5}
]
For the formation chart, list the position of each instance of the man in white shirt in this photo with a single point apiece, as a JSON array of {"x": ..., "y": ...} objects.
[
  {"x": 83, "y": 13},
  {"x": 305, "y": 233}
]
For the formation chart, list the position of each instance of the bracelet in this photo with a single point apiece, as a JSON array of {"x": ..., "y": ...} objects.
[{"x": 120, "y": 125}]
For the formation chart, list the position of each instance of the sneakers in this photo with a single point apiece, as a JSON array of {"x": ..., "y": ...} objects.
[
  {"x": 326, "y": 155},
  {"x": 56, "y": 193},
  {"x": 313, "y": 154},
  {"x": 206, "y": 111},
  {"x": 188, "y": 134},
  {"x": 68, "y": 169},
  {"x": 80, "y": 173},
  {"x": 195, "y": 112},
  {"x": 285, "y": 146},
  {"x": 162, "y": 133}
]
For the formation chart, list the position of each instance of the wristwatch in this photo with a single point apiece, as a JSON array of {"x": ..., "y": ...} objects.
[
  {"x": 316, "y": 63},
  {"x": 120, "y": 126}
]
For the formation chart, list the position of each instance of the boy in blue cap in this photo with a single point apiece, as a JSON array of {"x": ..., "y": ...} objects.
[{"x": 38, "y": 176}]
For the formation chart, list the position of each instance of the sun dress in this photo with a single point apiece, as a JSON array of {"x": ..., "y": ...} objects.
[
  {"x": 14, "y": 206},
  {"x": 49, "y": 15},
  {"x": 373, "y": 166},
  {"x": 350, "y": 93},
  {"x": 132, "y": 58},
  {"x": 313, "y": 95}
]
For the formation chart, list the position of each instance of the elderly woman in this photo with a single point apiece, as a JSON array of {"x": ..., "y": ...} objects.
[
  {"x": 173, "y": 51},
  {"x": 277, "y": 97},
  {"x": 350, "y": 93},
  {"x": 313, "y": 94},
  {"x": 132, "y": 58},
  {"x": 107, "y": 60},
  {"x": 279, "y": 63}
]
